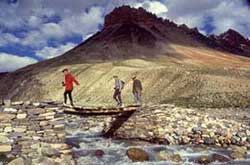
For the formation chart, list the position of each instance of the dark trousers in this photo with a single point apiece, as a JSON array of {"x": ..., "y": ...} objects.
[
  {"x": 117, "y": 97},
  {"x": 137, "y": 96},
  {"x": 69, "y": 93}
]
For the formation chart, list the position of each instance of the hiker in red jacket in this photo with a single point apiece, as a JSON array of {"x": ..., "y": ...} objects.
[{"x": 68, "y": 83}]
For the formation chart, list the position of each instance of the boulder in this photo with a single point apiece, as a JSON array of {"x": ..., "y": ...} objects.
[
  {"x": 168, "y": 156},
  {"x": 17, "y": 103},
  {"x": 238, "y": 155},
  {"x": 21, "y": 116},
  {"x": 11, "y": 110},
  {"x": 99, "y": 153},
  {"x": 6, "y": 117},
  {"x": 5, "y": 148},
  {"x": 49, "y": 151},
  {"x": 4, "y": 139},
  {"x": 220, "y": 158},
  {"x": 204, "y": 159},
  {"x": 17, "y": 161},
  {"x": 44, "y": 161},
  {"x": 8, "y": 129},
  {"x": 137, "y": 155},
  {"x": 7, "y": 102}
]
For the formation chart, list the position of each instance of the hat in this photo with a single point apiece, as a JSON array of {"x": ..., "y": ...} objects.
[{"x": 65, "y": 70}]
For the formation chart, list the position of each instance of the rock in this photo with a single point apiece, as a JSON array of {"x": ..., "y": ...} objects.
[
  {"x": 137, "y": 155},
  {"x": 44, "y": 123},
  {"x": 21, "y": 116},
  {"x": 49, "y": 151},
  {"x": 67, "y": 160},
  {"x": 20, "y": 129},
  {"x": 43, "y": 161},
  {"x": 4, "y": 139},
  {"x": 17, "y": 161},
  {"x": 205, "y": 159},
  {"x": 5, "y": 148},
  {"x": 11, "y": 110},
  {"x": 168, "y": 156},
  {"x": 220, "y": 158},
  {"x": 27, "y": 103},
  {"x": 73, "y": 141},
  {"x": 209, "y": 141},
  {"x": 36, "y": 138},
  {"x": 59, "y": 126},
  {"x": 197, "y": 130},
  {"x": 17, "y": 103},
  {"x": 8, "y": 129},
  {"x": 238, "y": 155},
  {"x": 48, "y": 114},
  {"x": 99, "y": 153},
  {"x": 36, "y": 104},
  {"x": 6, "y": 117},
  {"x": 7, "y": 102}
]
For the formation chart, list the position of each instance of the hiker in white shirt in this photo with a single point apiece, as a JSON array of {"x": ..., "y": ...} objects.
[{"x": 119, "y": 84}]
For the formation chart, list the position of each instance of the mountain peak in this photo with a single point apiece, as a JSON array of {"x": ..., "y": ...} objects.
[
  {"x": 233, "y": 41},
  {"x": 231, "y": 33},
  {"x": 127, "y": 14}
]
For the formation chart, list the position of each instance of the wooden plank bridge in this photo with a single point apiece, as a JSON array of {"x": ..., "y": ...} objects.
[{"x": 121, "y": 115}]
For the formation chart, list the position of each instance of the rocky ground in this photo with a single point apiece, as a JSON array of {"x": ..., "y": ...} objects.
[
  {"x": 174, "y": 125},
  {"x": 40, "y": 133},
  {"x": 33, "y": 133}
]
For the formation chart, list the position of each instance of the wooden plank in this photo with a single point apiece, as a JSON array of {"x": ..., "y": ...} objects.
[{"x": 96, "y": 113}]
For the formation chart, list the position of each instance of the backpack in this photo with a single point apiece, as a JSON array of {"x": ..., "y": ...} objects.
[{"x": 122, "y": 84}]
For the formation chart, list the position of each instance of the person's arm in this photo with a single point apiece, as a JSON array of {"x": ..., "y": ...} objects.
[
  {"x": 120, "y": 85},
  {"x": 74, "y": 80}
]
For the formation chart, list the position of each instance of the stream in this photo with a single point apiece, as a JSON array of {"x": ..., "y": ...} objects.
[{"x": 89, "y": 148}]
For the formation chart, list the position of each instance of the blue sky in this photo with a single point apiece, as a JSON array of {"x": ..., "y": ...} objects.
[{"x": 35, "y": 30}]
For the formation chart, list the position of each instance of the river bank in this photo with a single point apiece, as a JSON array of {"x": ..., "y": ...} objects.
[
  {"x": 175, "y": 125},
  {"x": 40, "y": 133}
]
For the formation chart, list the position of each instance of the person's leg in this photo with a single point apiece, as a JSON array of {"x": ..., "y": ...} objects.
[
  {"x": 119, "y": 98},
  {"x": 139, "y": 97},
  {"x": 135, "y": 97},
  {"x": 65, "y": 97},
  {"x": 115, "y": 96},
  {"x": 70, "y": 98}
]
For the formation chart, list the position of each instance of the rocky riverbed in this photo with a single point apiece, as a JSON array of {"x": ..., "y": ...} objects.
[
  {"x": 172, "y": 125},
  {"x": 40, "y": 133}
]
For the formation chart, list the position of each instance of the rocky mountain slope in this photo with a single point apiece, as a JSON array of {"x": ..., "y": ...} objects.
[{"x": 176, "y": 65}]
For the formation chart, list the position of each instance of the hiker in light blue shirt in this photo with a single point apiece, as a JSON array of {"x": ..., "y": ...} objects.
[{"x": 119, "y": 85}]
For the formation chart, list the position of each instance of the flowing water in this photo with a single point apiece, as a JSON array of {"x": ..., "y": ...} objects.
[{"x": 91, "y": 149}]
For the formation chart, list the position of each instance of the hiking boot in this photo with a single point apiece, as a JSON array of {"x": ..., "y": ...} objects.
[{"x": 122, "y": 105}]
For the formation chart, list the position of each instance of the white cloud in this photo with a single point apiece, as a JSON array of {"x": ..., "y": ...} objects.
[
  {"x": 34, "y": 39},
  {"x": 10, "y": 62},
  {"x": 8, "y": 38},
  {"x": 50, "y": 52},
  {"x": 82, "y": 24},
  {"x": 34, "y": 21},
  {"x": 223, "y": 14},
  {"x": 81, "y": 18},
  {"x": 233, "y": 15},
  {"x": 153, "y": 6},
  {"x": 52, "y": 30}
]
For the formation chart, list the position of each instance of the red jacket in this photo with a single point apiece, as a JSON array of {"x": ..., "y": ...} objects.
[{"x": 69, "y": 79}]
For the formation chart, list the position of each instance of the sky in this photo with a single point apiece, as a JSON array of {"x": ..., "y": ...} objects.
[{"x": 36, "y": 30}]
